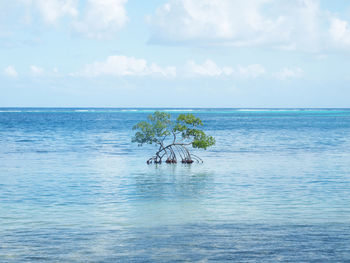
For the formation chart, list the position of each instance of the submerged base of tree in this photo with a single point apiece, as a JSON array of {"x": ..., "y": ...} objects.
[{"x": 174, "y": 153}]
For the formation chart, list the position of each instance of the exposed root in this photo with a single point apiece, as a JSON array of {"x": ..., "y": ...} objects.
[{"x": 171, "y": 152}]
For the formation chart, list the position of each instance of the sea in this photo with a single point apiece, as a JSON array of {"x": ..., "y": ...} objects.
[{"x": 274, "y": 188}]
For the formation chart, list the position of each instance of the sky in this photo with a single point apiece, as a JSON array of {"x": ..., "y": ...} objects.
[{"x": 175, "y": 53}]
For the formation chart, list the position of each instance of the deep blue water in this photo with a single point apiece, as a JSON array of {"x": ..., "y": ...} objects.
[{"x": 275, "y": 188}]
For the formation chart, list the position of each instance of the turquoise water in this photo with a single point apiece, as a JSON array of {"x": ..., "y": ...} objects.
[{"x": 275, "y": 188}]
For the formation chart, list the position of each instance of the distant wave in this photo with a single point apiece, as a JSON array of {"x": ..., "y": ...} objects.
[
  {"x": 301, "y": 109},
  {"x": 150, "y": 110},
  {"x": 269, "y": 110},
  {"x": 182, "y": 110}
]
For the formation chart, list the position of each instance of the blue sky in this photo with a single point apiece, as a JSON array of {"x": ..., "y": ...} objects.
[{"x": 174, "y": 53}]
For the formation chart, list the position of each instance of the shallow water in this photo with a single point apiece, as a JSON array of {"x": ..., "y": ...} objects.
[{"x": 274, "y": 188}]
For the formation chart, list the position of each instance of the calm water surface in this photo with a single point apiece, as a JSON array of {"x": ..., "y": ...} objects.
[{"x": 275, "y": 188}]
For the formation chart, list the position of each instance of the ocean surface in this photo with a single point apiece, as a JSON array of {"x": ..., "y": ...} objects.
[{"x": 275, "y": 188}]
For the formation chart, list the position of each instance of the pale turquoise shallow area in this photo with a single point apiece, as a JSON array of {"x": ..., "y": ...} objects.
[{"x": 275, "y": 188}]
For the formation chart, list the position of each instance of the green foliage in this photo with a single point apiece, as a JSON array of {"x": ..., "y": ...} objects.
[
  {"x": 186, "y": 124},
  {"x": 154, "y": 131},
  {"x": 203, "y": 141},
  {"x": 189, "y": 119},
  {"x": 159, "y": 127}
]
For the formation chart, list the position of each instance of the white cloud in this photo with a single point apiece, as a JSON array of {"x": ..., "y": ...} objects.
[
  {"x": 102, "y": 18},
  {"x": 36, "y": 71},
  {"x": 125, "y": 66},
  {"x": 288, "y": 73},
  {"x": 10, "y": 71},
  {"x": 53, "y": 10},
  {"x": 340, "y": 32},
  {"x": 208, "y": 68},
  {"x": 211, "y": 69},
  {"x": 91, "y": 18},
  {"x": 281, "y": 23},
  {"x": 251, "y": 71}
]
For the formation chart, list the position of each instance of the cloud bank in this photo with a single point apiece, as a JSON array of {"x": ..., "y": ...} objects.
[
  {"x": 53, "y": 10},
  {"x": 91, "y": 18},
  {"x": 211, "y": 69},
  {"x": 125, "y": 66},
  {"x": 121, "y": 66},
  {"x": 102, "y": 18},
  {"x": 281, "y": 24}
]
